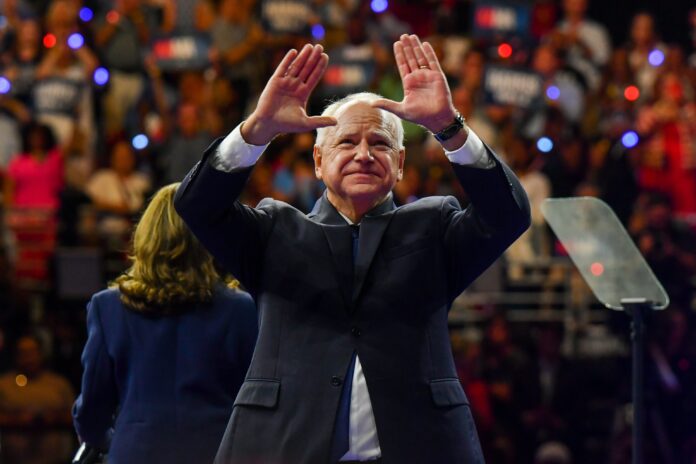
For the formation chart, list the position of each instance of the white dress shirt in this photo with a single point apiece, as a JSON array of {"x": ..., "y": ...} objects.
[{"x": 233, "y": 154}]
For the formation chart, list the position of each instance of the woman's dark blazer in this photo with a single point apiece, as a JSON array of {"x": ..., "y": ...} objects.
[{"x": 161, "y": 389}]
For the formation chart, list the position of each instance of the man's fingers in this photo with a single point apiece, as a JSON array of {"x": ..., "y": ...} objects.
[
  {"x": 401, "y": 62},
  {"x": 297, "y": 65},
  {"x": 312, "y": 61},
  {"x": 433, "y": 62},
  {"x": 285, "y": 63},
  {"x": 315, "y": 122},
  {"x": 318, "y": 71},
  {"x": 418, "y": 51},
  {"x": 389, "y": 105},
  {"x": 408, "y": 52}
]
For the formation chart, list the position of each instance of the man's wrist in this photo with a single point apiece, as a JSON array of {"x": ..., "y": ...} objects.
[
  {"x": 457, "y": 141},
  {"x": 256, "y": 132}
]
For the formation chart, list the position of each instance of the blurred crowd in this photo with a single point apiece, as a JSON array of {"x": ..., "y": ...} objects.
[{"x": 102, "y": 102}]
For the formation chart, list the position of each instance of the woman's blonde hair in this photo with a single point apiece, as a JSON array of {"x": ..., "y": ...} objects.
[{"x": 171, "y": 271}]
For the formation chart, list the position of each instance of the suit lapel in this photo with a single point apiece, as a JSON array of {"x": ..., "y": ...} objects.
[
  {"x": 339, "y": 238},
  {"x": 338, "y": 235},
  {"x": 372, "y": 229}
]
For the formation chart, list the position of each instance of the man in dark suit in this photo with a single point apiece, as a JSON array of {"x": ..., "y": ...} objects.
[{"x": 353, "y": 361}]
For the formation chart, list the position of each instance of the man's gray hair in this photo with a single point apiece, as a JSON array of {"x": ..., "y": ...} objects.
[{"x": 367, "y": 97}]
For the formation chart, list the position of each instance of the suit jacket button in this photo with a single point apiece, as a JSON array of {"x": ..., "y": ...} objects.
[
  {"x": 355, "y": 331},
  {"x": 336, "y": 381}
]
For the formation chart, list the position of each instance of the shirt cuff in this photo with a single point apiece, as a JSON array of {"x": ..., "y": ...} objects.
[
  {"x": 473, "y": 153},
  {"x": 234, "y": 153}
]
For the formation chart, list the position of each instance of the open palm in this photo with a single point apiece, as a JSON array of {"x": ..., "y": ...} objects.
[
  {"x": 427, "y": 99},
  {"x": 283, "y": 102}
]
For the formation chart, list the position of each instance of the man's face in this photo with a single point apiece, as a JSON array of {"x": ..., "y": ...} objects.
[{"x": 359, "y": 160}]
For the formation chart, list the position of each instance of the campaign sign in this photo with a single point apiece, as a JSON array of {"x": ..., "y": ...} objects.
[
  {"x": 351, "y": 69},
  {"x": 286, "y": 16},
  {"x": 181, "y": 52},
  {"x": 507, "y": 86},
  {"x": 496, "y": 18}
]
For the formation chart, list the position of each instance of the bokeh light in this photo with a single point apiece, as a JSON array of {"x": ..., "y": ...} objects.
[
  {"x": 5, "y": 85},
  {"x": 3, "y": 22},
  {"x": 505, "y": 50},
  {"x": 318, "y": 32},
  {"x": 140, "y": 141},
  {"x": 597, "y": 269},
  {"x": 379, "y": 6},
  {"x": 553, "y": 92},
  {"x": 101, "y": 76},
  {"x": 544, "y": 144},
  {"x": 631, "y": 93},
  {"x": 21, "y": 380},
  {"x": 76, "y": 40},
  {"x": 629, "y": 139},
  {"x": 49, "y": 41},
  {"x": 656, "y": 57},
  {"x": 112, "y": 17},
  {"x": 86, "y": 14}
]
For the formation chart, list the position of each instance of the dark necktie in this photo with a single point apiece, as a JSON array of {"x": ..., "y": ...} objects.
[{"x": 341, "y": 438}]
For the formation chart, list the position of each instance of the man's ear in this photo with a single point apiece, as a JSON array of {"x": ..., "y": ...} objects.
[
  {"x": 402, "y": 158},
  {"x": 316, "y": 154}
]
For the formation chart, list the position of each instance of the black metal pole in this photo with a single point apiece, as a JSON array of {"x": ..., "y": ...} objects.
[{"x": 637, "y": 309}]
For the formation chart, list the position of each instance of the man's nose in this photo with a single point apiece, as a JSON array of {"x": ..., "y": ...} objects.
[{"x": 362, "y": 152}]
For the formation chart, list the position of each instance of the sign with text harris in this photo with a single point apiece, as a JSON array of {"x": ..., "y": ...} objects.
[{"x": 511, "y": 86}]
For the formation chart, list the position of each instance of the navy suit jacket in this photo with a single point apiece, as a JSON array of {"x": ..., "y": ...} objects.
[
  {"x": 171, "y": 380},
  {"x": 316, "y": 309}
]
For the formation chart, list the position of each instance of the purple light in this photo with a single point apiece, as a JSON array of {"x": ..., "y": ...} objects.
[
  {"x": 5, "y": 85},
  {"x": 553, "y": 92},
  {"x": 379, "y": 6},
  {"x": 86, "y": 14},
  {"x": 544, "y": 144},
  {"x": 101, "y": 76},
  {"x": 629, "y": 139},
  {"x": 318, "y": 31},
  {"x": 656, "y": 57},
  {"x": 76, "y": 40},
  {"x": 140, "y": 141}
]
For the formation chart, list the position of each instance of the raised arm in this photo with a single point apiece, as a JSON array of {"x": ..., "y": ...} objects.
[{"x": 235, "y": 234}]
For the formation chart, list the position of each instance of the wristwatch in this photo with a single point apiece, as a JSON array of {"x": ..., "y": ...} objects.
[{"x": 451, "y": 130}]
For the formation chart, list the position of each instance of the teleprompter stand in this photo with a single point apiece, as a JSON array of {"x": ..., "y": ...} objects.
[{"x": 617, "y": 274}]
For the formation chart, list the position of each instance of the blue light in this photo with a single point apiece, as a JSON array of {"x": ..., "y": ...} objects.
[
  {"x": 379, "y": 6},
  {"x": 630, "y": 139},
  {"x": 318, "y": 31},
  {"x": 86, "y": 14},
  {"x": 5, "y": 85},
  {"x": 656, "y": 57},
  {"x": 76, "y": 40},
  {"x": 553, "y": 92},
  {"x": 3, "y": 22},
  {"x": 101, "y": 76},
  {"x": 544, "y": 144},
  {"x": 140, "y": 141}
]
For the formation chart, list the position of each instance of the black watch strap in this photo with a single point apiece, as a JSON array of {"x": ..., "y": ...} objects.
[{"x": 451, "y": 130}]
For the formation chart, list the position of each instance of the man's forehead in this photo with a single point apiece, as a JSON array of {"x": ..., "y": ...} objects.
[{"x": 351, "y": 117}]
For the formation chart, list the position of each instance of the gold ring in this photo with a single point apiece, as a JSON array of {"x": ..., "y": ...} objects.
[{"x": 423, "y": 67}]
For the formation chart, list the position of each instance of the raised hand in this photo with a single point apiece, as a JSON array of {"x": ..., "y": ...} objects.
[
  {"x": 282, "y": 106},
  {"x": 427, "y": 99}
]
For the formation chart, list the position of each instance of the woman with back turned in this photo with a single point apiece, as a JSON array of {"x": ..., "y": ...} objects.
[{"x": 167, "y": 349}]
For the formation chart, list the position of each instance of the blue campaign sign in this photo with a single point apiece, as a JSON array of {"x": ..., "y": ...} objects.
[
  {"x": 508, "y": 86},
  {"x": 351, "y": 69},
  {"x": 499, "y": 18},
  {"x": 181, "y": 52}
]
